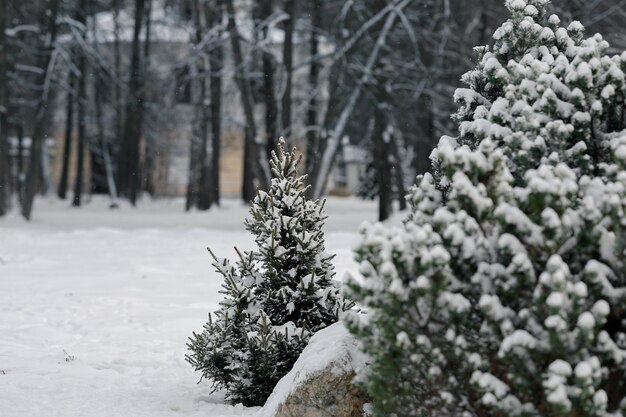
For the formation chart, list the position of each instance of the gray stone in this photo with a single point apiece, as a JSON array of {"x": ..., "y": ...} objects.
[{"x": 321, "y": 383}]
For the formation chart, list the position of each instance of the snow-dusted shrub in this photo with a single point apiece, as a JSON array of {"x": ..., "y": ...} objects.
[
  {"x": 276, "y": 297},
  {"x": 504, "y": 293}
]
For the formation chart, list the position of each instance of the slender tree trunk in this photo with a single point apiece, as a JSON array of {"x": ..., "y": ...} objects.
[
  {"x": 67, "y": 143},
  {"x": 247, "y": 191},
  {"x": 199, "y": 179},
  {"x": 258, "y": 167},
  {"x": 146, "y": 44},
  {"x": 150, "y": 149},
  {"x": 290, "y": 9},
  {"x": 194, "y": 144},
  {"x": 271, "y": 110},
  {"x": 333, "y": 107},
  {"x": 216, "y": 58},
  {"x": 383, "y": 167},
  {"x": 119, "y": 119},
  {"x": 105, "y": 149},
  {"x": 36, "y": 149},
  {"x": 398, "y": 171},
  {"x": 103, "y": 144},
  {"x": 81, "y": 113},
  {"x": 312, "y": 134},
  {"x": 205, "y": 195},
  {"x": 45, "y": 171},
  {"x": 385, "y": 147},
  {"x": 128, "y": 168},
  {"x": 4, "y": 106},
  {"x": 80, "y": 158},
  {"x": 20, "y": 175},
  {"x": 421, "y": 156},
  {"x": 5, "y": 167},
  {"x": 191, "y": 195}
]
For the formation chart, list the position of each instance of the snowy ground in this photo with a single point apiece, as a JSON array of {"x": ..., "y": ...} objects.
[{"x": 96, "y": 305}]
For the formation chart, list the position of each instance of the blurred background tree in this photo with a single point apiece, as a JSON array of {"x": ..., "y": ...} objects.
[{"x": 167, "y": 98}]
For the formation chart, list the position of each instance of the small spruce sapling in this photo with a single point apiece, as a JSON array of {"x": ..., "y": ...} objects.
[{"x": 276, "y": 297}]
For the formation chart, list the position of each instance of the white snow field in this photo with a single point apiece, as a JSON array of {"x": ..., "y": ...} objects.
[{"x": 96, "y": 305}]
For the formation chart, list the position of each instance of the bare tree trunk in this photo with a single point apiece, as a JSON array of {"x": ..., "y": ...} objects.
[
  {"x": 216, "y": 58},
  {"x": 290, "y": 9},
  {"x": 104, "y": 146},
  {"x": 333, "y": 107},
  {"x": 205, "y": 195},
  {"x": 191, "y": 195},
  {"x": 150, "y": 149},
  {"x": 105, "y": 150},
  {"x": 193, "y": 172},
  {"x": 81, "y": 111},
  {"x": 146, "y": 44},
  {"x": 119, "y": 119},
  {"x": 258, "y": 167},
  {"x": 67, "y": 143},
  {"x": 399, "y": 173},
  {"x": 34, "y": 167},
  {"x": 20, "y": 175},
  {"x": 80, "y": 157},
  {"x": 271, "y": 110},
  {"x": 247, "y": 189},
  {"x": 5, "y": 196},
  {"x": 128, "y": 166},
  {"x": 199, "y": 189},
  {"x": 99, "y": 89},
  {"x": 385, "y": 148},
  {"x": 421, "y": 156},
  {"x": 383, "y": 167},
  {"x": 312, "y": 134}
]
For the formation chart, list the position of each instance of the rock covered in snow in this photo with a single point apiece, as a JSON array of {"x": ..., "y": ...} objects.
[{"x": 321, "y": 382}]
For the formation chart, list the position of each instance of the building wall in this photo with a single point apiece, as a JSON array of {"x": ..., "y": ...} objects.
[{"x": 55, "y": 155}]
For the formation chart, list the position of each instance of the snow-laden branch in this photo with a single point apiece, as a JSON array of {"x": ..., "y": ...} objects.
[{"x": 12, "y": 32}]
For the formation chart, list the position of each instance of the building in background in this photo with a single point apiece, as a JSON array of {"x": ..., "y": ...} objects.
[{"x": 168, "y": 102}]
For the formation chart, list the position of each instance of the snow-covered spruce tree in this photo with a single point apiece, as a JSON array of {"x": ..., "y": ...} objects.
[
  {"x": 276, "y": 297},
  {"x": 504, "y": 293}
]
